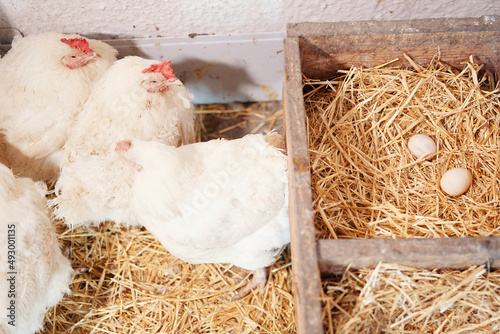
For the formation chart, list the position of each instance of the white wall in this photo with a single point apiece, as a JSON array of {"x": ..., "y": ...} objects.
[
  {"x": 142, "y": 18},
  {"x": 223, "y": 50},
  {"x": 360, "y": 10},
  {"x": 178, "y": 18}
]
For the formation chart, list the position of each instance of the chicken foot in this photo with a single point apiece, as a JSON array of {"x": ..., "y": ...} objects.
[{"x": 259, "y": 280}]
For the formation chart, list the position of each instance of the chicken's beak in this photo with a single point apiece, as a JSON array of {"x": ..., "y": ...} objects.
[
  {"x": 176, "y": 82},
  {"x": 170, "y": 82}
]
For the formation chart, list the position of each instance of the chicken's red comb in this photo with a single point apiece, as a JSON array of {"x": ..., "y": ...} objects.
[
  {"x": 78, "y": 43},
  {"x": 123, "y": 145},
  {"x": 163, "y": 67}
]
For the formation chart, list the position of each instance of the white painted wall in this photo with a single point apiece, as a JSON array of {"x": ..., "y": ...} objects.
[
  {"x": 361, "y": 10},
  {"x": 224, "y": 50},
  {"x": 142, "y": 18},
  {"x": 177, "y": 18}
]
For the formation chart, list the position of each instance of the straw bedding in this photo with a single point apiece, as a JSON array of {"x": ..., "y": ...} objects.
[
  {"x": 397, "y": 299},
  {"x": 365, "y": 181},
  {"x": 126, "y": 282},
  {"x": 367, "y": 184}
]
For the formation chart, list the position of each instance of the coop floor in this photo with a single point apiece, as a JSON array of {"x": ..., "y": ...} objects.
[{"x": 126, "y": 282}]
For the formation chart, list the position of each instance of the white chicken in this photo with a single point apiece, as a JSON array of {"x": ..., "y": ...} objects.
[
  {"x": 34, "y": 274},
  {"x": 214, "y": 202},
  {"x": 46, "y": 79},
  {"x": 136, "y": 99}
]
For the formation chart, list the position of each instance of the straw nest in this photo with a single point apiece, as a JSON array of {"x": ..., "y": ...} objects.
[
  {"x": 126, "y": 282},
  {"x": 397, "y": 299},
  {"x": 365, "y": 181}
]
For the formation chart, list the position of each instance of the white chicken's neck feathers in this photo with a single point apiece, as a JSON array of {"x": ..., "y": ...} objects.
[
  {"x": 120, "y": 108},
  {"x": 34, "y": 59},
  {"x": 120, "y": 89}
]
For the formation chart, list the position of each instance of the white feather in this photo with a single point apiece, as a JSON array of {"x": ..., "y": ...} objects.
[
  {"x": 42, "y": 272},
  {"x": 213, "y": 202},
  {"x": 40, "y": 98},
  {"x": 94, "y": 183}
]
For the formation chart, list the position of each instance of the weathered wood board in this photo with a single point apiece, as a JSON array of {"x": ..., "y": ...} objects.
[{"x": 451, "y": 253}]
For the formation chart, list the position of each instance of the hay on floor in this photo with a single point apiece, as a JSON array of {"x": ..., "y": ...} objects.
[
  {"x": 126, "y": 282},
  {"x": 398, "y": 299}
]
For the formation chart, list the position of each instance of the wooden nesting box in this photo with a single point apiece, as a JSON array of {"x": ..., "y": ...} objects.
[{"x": 318, "y": 50}]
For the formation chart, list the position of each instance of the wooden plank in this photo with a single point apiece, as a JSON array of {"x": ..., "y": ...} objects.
[
  {"x": 454, "y": 253},
  {"x": 306, "y": 277},
  {"x": 328, "y": 47}
]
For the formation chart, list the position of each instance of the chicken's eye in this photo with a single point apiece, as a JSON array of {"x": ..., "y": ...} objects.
[
  {"x": 73, "y": 56},
  {"x": 154, "y": 81}
]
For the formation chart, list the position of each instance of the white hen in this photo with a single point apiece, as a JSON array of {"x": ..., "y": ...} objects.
[
  {"x": 34, "y": 274},
  {"x": 46, "y": 79},
  {"x": 136, "y": 99},
  {"x": 213, "y": 202}
]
